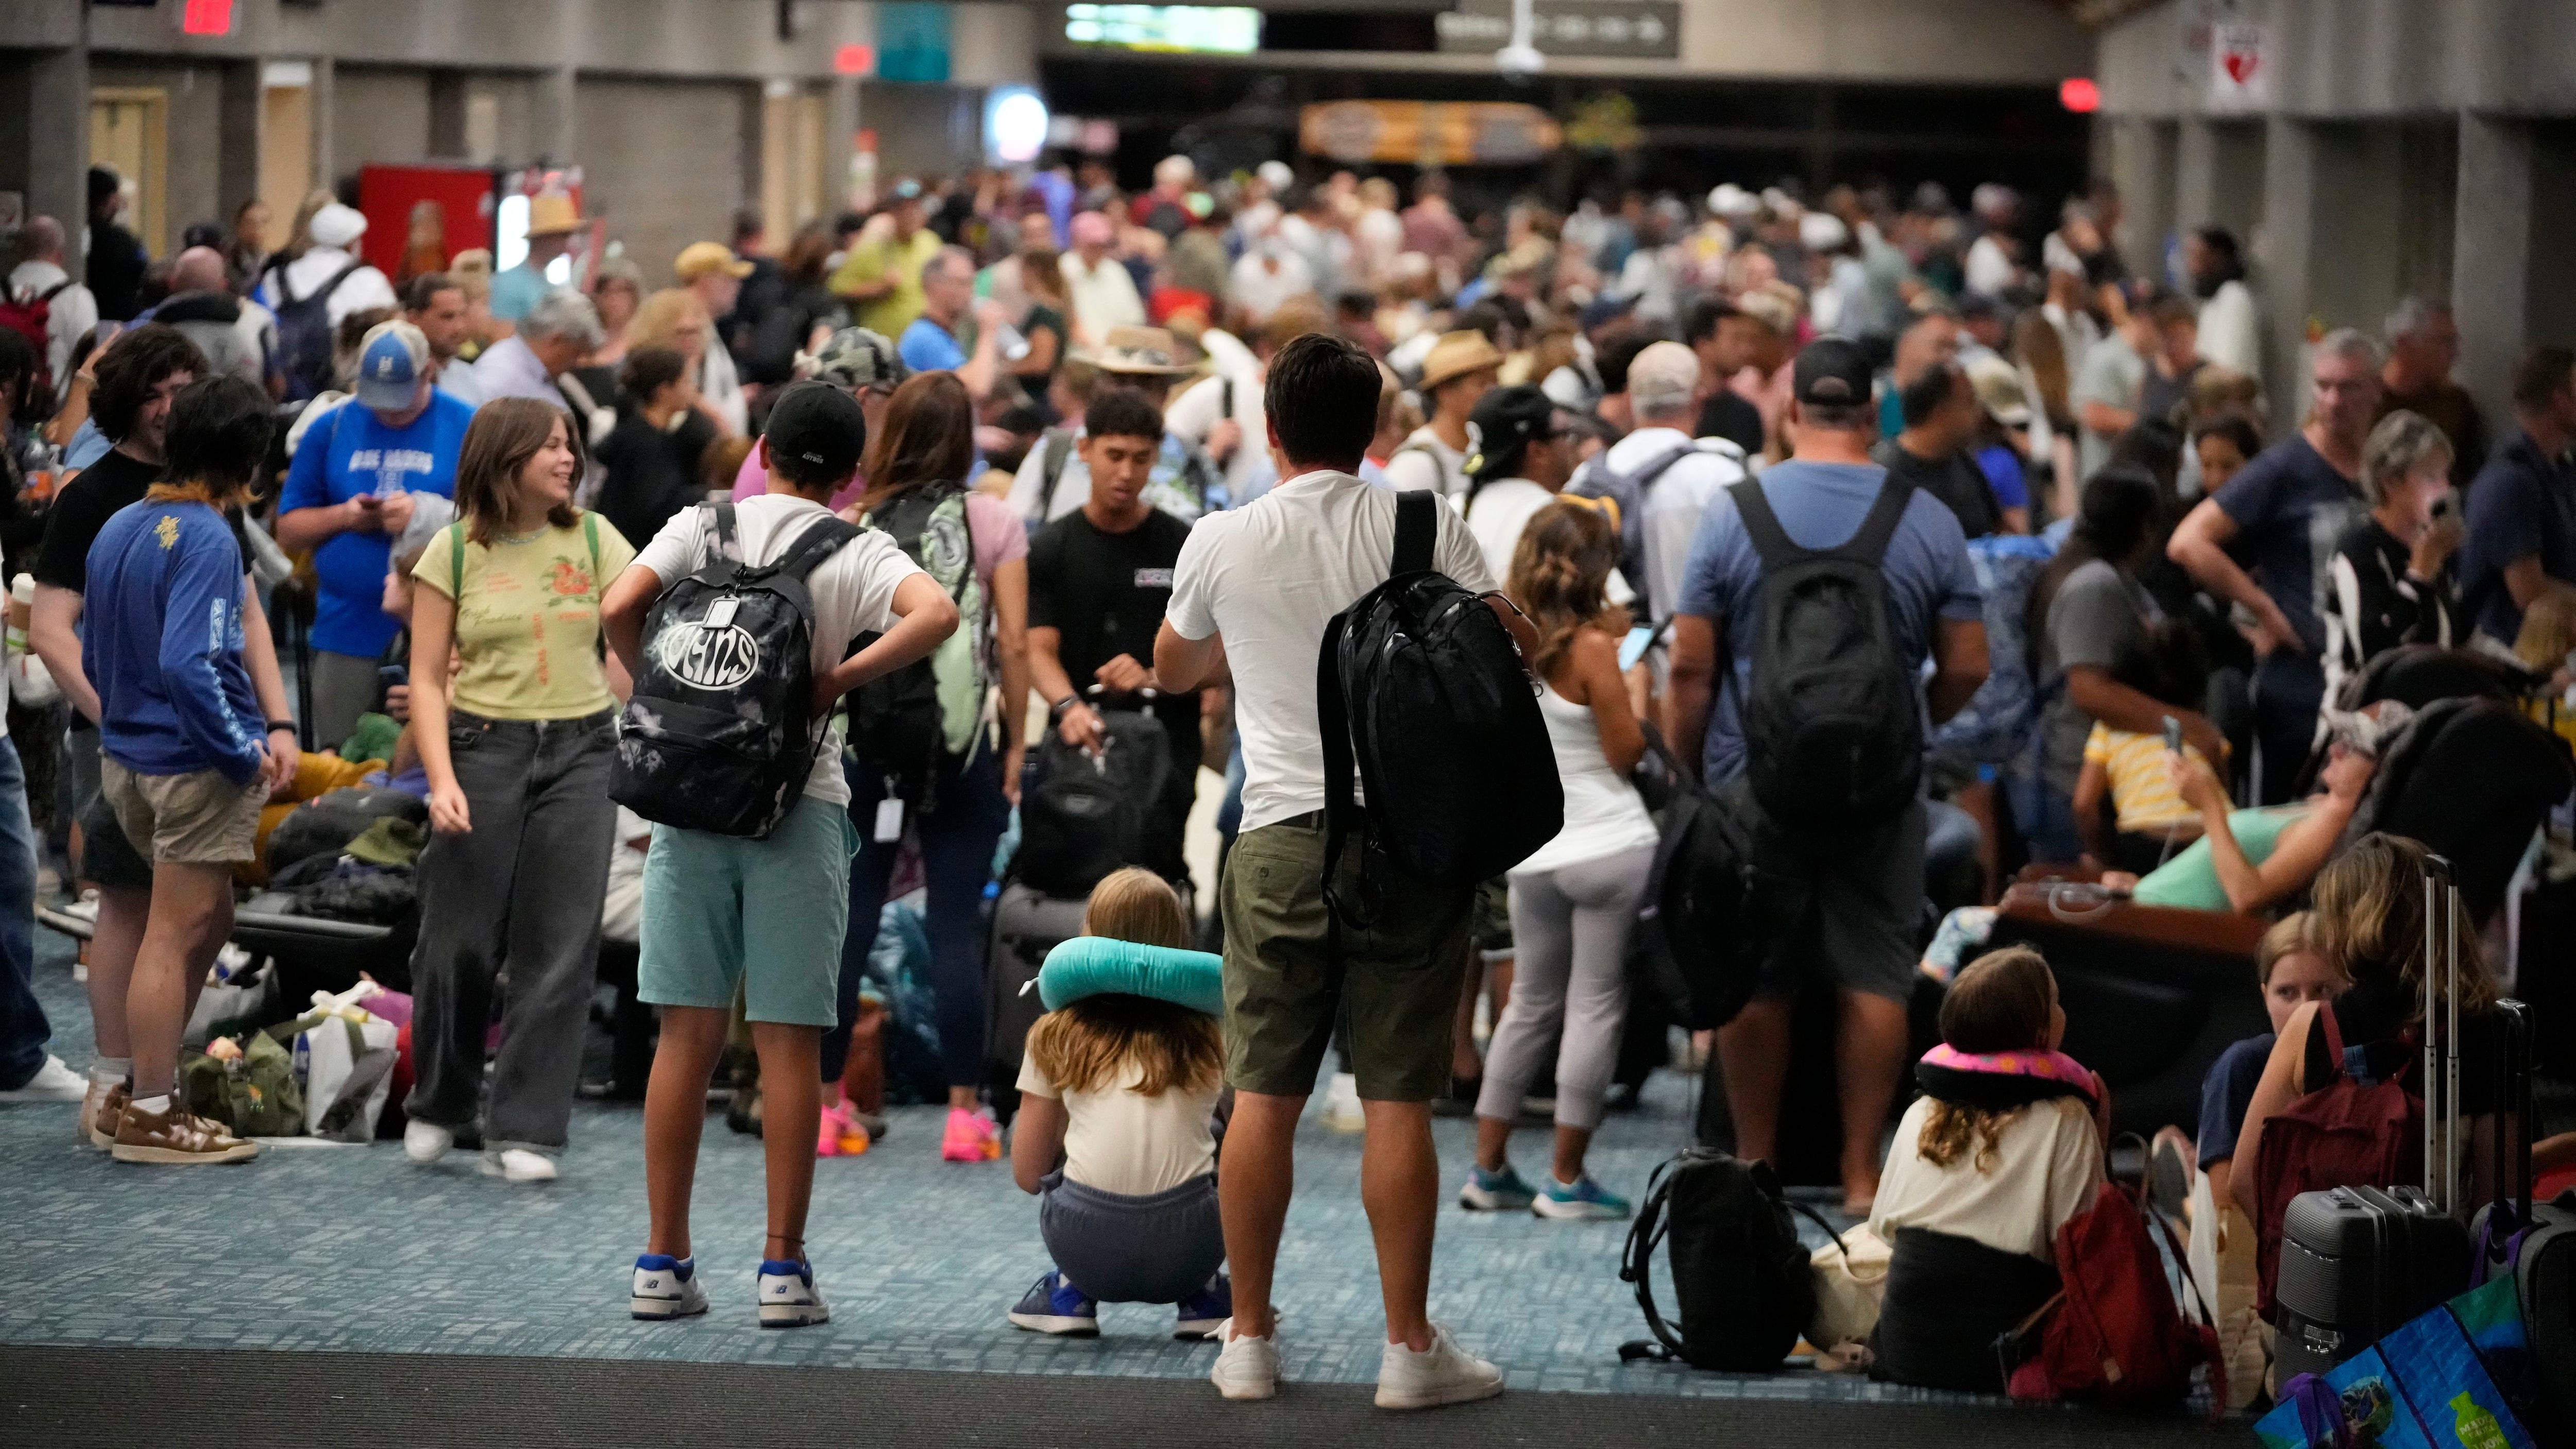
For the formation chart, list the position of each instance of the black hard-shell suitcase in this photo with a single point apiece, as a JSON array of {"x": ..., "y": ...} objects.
[{"x": 2357, "y": 1262}]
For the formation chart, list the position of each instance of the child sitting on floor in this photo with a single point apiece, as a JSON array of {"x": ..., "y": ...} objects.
[
  {"x": 2004, "y": 1146},
  {"x": 1116, "y": 1132},
  {"x": 2153, "y": 820}
]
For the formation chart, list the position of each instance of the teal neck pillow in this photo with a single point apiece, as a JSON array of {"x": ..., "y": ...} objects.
[{"x": 1098, "y": 966}]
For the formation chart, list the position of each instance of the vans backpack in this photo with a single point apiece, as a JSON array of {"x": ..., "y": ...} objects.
[
  {"x": 304, "y": 332},
  {"x": 1422, "y": 687},
  {"x": 1744, "y": 1285},
  {"x": 906, "y": 725},
  {"x": 30, "y": 314},
  {"x": 1628, "y": 491},
  {"x": 1833, "y": 732},
  {"x": 719, "y": 732}
]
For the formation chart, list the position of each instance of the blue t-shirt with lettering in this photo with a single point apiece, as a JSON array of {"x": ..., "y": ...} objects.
[{"x": 349, "y": 452}]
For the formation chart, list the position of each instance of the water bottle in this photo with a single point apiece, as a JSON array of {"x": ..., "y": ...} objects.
[{"x": 1008, "y": 341}]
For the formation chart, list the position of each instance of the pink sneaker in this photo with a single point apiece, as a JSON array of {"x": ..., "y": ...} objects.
[
  {"x": 971, "y": 1137},
  {"x": 840, "y": 1134}
]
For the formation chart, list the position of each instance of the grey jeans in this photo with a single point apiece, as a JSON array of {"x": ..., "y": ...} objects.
[
  {"x": 1121, "y": 1249},
  {"x": 521, "y": 890},
  {"x": 1570, "y": 965},
  {"x": 343, "y": 686}
]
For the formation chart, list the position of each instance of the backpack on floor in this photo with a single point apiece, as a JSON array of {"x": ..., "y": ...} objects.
[
  {"x": 2112, "y": 1334},
  {"x": 906, "y": 725},
  {"x": 1743, "y": 1282},
  {"x": 719, "y": 733},
  {"x": 1833, "y": 731},
  {"x": 1422, "y": 686},
  {"x": 304, "y": 332},
  {"x": 1085, "y": 817}
]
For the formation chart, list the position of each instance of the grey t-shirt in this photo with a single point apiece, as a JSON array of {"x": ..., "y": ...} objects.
[
  {"x": 2111, "y": 373},
  {"x": 2095, "y": 615}
]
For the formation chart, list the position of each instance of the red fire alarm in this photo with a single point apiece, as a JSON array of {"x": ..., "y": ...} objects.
[
  {"x": 2079, "y": 94},
  {"x": 854, "y": 60},
  {"x": 207, "y": 17}
]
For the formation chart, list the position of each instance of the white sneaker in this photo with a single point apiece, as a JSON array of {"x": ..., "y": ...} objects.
[
  {"x": 1444, "y": 1373},
  {"x": 1246, "y": 1367},
  {"x": 788, "y": 1297},
  {"x": 1342, "y": 1110},
  {"x": 666, "y": 1287},
  {"x": 517, "y": 1164},
  {"x": 426, "y": 1142},
  {"x": 53, "y": 1082}
]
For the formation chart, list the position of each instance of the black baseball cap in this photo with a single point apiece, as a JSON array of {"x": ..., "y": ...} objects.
[
  {"x": 816, "y": 432},
  {"x": 1831, "y": 372},
  {"x": 1506, "y": 419}
]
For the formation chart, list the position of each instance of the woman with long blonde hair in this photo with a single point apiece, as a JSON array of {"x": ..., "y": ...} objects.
[
  {"x": 1574, "y": 899},
  {"x": 1118, "y": 1094},
  {"x": 517, "y": 750}
]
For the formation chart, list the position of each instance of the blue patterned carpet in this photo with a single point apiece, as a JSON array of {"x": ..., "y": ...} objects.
[{"x": 356, "y": 1249}]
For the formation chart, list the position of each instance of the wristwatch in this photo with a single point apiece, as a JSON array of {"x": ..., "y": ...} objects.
[
  {"x": 1055, "y": 711},
  {"x": 287, "y": 725}
]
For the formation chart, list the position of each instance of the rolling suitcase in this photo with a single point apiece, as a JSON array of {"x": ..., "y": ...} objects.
[
  {"x": 1027, "y": 923},
  {"x": 2356, "y": 1262}
]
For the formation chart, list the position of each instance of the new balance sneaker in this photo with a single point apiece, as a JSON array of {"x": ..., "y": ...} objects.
[
  {"x": 1582, "y": 1200},
  {"x": 1444, "y": 1373},
  {"x": 513, "y": 1164},
  {"x": 1205, "y": 1311},
  {"x": 840, "y": 1133},
  {"x": 173, "y": 1137},
  {"x": 426, "y": 1142},
  {"x": 102, "y": 1108},
  {"x": 971, "y": 1137},
  {"x": 1342, "y": 1109},
  {"x": 1246, "y": 1367},
  {"x": 1502, "y": 1191},
  {"x": 1055, "y": 1306},
  {"x": 53, "y": 1082},
  {"x": 788, "y": 1298},
  {"x": 666, "y": 1287}
]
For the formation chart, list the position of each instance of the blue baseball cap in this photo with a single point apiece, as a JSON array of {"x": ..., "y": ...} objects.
[{"x": 391, "y": 363}]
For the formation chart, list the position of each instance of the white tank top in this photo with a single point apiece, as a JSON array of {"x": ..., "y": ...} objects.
[{"x": 1603, "y": 814}]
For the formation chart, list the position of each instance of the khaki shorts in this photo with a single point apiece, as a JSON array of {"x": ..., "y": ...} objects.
[
  {"x": 1397, "y": 978},
  {"x": 199, "y": 818}
]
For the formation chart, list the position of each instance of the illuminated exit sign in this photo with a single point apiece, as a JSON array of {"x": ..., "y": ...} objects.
[{"x": 207, "y": 17}]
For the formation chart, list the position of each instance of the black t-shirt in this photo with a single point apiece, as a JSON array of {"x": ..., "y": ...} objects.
[
  {"x": 648, "y": 480},
  {"x": 1727, "y": 415},
  {"x": 2159, "y": 395},
  {"x": 1956, "y": 480},
  {"x": 1106, "y": 593}
]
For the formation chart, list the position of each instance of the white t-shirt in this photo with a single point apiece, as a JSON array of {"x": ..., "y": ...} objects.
[
  {"x": 1496, "y": 514},
  {"x": 1195, "y": 412},
  {"x": 1124, "y": 1142},
  {"x": 2048, "y": 1163},
  {"x": 1259, "y": 289},
  {"x": 1422, "y": 460},
  {"x": 1679, "y": 495},
  {"x": 73, "y": 311},
  {"x": 1269, "y": 578},
  {"x": 853, "y": 590},
  {"x": 365, "y": 289},
  {"x": 2228, "y": 334}
]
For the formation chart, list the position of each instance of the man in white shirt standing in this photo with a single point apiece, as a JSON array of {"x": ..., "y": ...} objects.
[
  {"x": 1661, "y": 473},
  {"x": 336, "y": 229},
  {"x": 1096, "y": 284},
  {"x": 70, "y": 308},
  {"x": 1458, "y": 371},
  {"x": 1252, "y": 593}
]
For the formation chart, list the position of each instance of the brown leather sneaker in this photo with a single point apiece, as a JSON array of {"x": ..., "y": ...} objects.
[
  {"x": 176, "y": 1139},
  {"x": 101, "y": 1109}
]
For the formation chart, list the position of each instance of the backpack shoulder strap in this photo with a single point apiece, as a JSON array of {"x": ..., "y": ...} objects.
[
  {"x": 590, "y": 536},
  {"x": 56, "y": 290},
  {"x": 1869, "y": 545},
  {"x": 1637, "y": 1263},
  {"x": 1417, "y": 529},
  {"x": 1439, "y": 464},
  {"x": 820, "y": 542},
  {"x": 724, "y": 527},
  {"x": 1653, "y": 468},
  {"x": 1762, "y": 525},
  {"x": 342, "y": 275},
  {"x": 456, "y": 560},
  {"x": 1059, "y": 443}
]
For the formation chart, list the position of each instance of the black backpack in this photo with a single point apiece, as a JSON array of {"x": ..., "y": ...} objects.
[
  {"x": 1741, "y": 1278},
  {"x": 1425, "y": 687},
  {"x": 1833, "y": 732},
  {"x": 719, "y": 733},
  {"x": 1712, "y": 916},
  {"x": 304, "y": 333},
  {"x": 1086, "y": 817}
]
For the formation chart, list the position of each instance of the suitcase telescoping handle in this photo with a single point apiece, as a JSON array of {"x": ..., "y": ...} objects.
[{"x": 2441, "y": 1033}]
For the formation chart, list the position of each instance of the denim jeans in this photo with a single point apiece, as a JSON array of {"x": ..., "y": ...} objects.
[
  {"x": 23, "y": 1027},
  {"x": 521, "y": 889},
  {"x": 957, "y": 841}
]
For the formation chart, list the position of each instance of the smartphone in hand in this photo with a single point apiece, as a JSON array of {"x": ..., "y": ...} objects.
[{"x": 2173, "y": 734}]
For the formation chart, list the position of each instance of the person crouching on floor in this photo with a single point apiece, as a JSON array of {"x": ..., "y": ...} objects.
[
  {"x": 1116, "y": 1128},
  {"x": 2004, "y": 1146}
]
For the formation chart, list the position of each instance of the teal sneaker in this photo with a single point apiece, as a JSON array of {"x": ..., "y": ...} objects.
[
  {"x": 1487, "y": 1192},
  {"x": 1581, "y": 1201}
]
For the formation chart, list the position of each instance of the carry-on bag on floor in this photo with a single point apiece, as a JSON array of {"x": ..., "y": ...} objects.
[
  {"x": 2357, "y": 1261},
  {"x": 1027, "y": 923}
]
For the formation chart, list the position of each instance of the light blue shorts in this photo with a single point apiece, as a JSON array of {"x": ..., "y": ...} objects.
[{"x": 769, "y": 913}]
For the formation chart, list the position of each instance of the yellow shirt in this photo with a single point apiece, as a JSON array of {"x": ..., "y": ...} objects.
[
  {"x": 527, "y": 618},
  {"x": 2142, "y": 788},
  {"x": 872, "y": 260}
]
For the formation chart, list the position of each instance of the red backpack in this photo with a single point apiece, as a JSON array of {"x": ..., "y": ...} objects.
[
  {"x": 28, "y": 313},
  {"x": 2343, "y": 1134},
  {"x": 2112, "y": 1333}
]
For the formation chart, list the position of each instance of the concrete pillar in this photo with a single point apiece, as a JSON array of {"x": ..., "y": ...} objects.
[
  {"x": 2491, "y": 257},
  {"x": 2142, "y": 165},
  {"x": 58, "y": 174},
  {"x": 237, "y": 145},
  {"x": 325, "y": 173},
  {"x": 552, "y": 122},
  {"x": 2290, "y": 236},
  {"x": 2196, "y": 164},
  {"x": 840, "y": 143}
]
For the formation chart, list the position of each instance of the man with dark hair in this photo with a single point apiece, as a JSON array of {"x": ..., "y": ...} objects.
[
  {"x": 434, "y": 302},
  {"x": 117, "y": 259},
  {"x": 2228, "y": 328},
  {"x": 1941, "y": 418},
  {"x": 1723, "y": 351},
  {"x": 1100, "y": 579},
  {"x": 2522, "y": 508},
  {"x": 188, "y": 762},
  {"x": 1865, "y": 881},
  {"x": 1251, "y": 592}
]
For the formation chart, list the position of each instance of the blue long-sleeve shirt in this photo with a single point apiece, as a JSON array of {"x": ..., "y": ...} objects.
[{"x": 162, "y": 643}]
